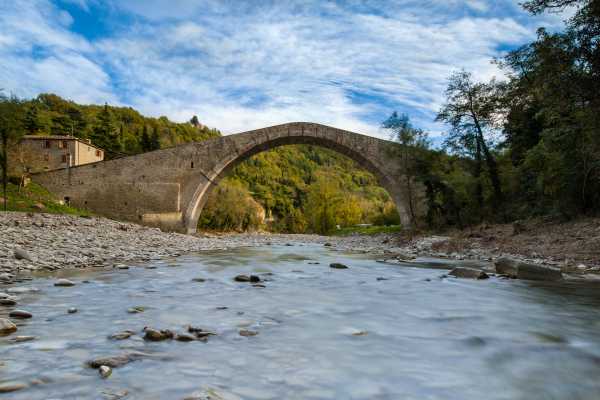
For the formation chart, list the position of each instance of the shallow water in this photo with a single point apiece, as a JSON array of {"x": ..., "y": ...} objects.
[{"x": 426, "y": 337}]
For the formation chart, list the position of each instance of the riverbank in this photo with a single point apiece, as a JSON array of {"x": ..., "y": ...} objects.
[{"x": 33, "y": 242}]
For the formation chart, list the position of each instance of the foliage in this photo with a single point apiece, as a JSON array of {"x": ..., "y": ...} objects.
[
  {"x": 231, "y": 208},
  {"x": 118, "y": 130},
  {"x": 30, "y": 197},
  {"x": 368, "y": 230},
  {"x": 11, "y": 129}
]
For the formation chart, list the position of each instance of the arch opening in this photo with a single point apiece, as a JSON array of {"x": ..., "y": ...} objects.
[{"x": 211, "y": 180}]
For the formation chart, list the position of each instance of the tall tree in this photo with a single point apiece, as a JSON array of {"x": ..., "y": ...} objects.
[
  {"x": 106, "y": 134},
  {"x": 472, "y": 110},
  {"x": 32, "y": 122},
  {"x": 11, "y": 129},
  {"x": 413, "y": 142},
  {"x": 154, "y": 140}
]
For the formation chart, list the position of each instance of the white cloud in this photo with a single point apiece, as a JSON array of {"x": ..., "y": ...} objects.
[{"x": 240, "y": 67}]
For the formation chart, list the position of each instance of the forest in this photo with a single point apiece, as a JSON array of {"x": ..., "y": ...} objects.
[{"x": 524, "y": 145}]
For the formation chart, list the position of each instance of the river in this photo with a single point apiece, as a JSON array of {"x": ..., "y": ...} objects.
[{"x": 372, "y": 331}]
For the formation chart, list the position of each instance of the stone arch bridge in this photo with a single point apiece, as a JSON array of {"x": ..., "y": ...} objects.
[{"x": 168, "y": 188}]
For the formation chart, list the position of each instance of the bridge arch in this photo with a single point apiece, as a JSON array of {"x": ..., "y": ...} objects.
[{"x": 364, "y": 150}]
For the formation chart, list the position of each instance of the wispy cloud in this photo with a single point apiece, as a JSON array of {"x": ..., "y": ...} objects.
[{"x": 241, "y": 67}]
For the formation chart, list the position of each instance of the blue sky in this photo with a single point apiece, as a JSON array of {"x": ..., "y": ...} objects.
[{"x": 245, "y": 65}]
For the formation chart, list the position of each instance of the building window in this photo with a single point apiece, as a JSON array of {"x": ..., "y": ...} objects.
[
  {"x": 47, "y": 144},
  {"x": 65, "y": 158},
  {"x": 65, "y": 144},
  {"x": 98, "y": 153}
]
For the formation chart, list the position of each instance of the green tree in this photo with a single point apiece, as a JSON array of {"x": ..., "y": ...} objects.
[
  {"x": 11, "y": 129},
  {"x": 32, "y": 120},
  {"x": 472, "y": 111},
  {"x": 106, "y": 134},
  {"x": 155, "y": 140}
]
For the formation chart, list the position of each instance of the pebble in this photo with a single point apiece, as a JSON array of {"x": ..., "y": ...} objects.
[
  {"x": 184, "y": 337},
  {"x": 246, "y": 332},
  {"x": 21, "y": 314},
  {"x": 198, "y": 280},
  {"x": 154, "y": 335},
  {"x": 104, "y": 371},
  {"x": 21, "y": 254},
  {"x": 8, "y": 302},
  {"x": 64, "y": 283},
  {"x": 246, "y": 278},
  {"x": 136, "y": 310},
  {"x": 338, "y": 266},
  {"x": 121, "y": 335},
  {"x": 118, "y": 360},
  {"x": 8, "y": 387},
  {"x": 20, "y": 339},
  {"x": 7, "y": 327},
  {"x": 72, "y": 310}
]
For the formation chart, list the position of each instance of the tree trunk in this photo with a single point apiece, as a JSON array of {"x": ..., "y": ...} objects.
[{"x": 491, "y": 165}]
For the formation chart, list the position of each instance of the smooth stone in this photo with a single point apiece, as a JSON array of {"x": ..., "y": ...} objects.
[
  {"x": 360, "y": 333},
  {"x": 338, "y": 266},
  {"x": 104, "y": 371},
  {"x": 198, "y": 280},
  {"x": 72, "y": 310},
  {"x": 20, "y": 339},
  {"x": 9, "y": 387},
  {"x": 468, "y": 273},
  {"x": 21, "y": 254},
  {"x": 246, "y": 333},
  {"x": 8, "y": 302},
  {"x": 7, "y": 327},
  {"x": 21, "y": 314},
  {"x": 121, "y": 335},
  {"x": 136, "y": 310},
  {"x": 116, "y": 361},
  {"x": 246, "y": 278},
  {"x": 199, "y": 332},
  {"x": 154, "y": 335},
  {"x": 64, "y": 283},
  {"x": 184, "y": 337}
]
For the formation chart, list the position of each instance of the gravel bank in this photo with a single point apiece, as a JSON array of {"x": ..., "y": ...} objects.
[{"x": 47, "y": 242}]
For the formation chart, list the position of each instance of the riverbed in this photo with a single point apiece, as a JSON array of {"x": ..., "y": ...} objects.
[{"x": 371, "y": 331}]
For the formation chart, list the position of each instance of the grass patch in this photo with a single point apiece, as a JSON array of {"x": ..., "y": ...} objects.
[
  {"x": 367, "y": 230},
  {"x": 34, "y": 198}
]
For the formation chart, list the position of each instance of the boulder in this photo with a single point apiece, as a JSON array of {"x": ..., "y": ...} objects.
[
  {"x": 469, "y": 273},
  {"x": 246, "y": 278},
  {"x": 522, "y": 270},
  {"x": 8, "y": 387},
  {"x": 6, "y": 327},
  {"x": 184, "y": 337},
  {"x": 507, "y": 266},
  {"x": 21, "y": 254}
]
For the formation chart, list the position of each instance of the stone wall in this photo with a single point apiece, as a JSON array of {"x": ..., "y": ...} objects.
[{"x": 168, "y": 188}]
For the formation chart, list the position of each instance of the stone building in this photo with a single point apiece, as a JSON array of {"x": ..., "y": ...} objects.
[{"x": 46, "y": 153}]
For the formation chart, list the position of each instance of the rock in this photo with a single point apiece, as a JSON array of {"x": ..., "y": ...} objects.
[
  {"x": 116, "y": 361},
  {"x": 21, "y": 254},
  {"x": 259, "y": 285},
  {"x": 121, "y": 335},
  {"x": 199, "y": 332},
  {"x": 327, "y": 244},
  {"x": 246, "y": 332},
  {"x": 39, "y": 206},
  {"x": 507, "y": 266},
  {"x": 8, "y": 387},
  {"x": 136, "y": 310},
  {"x": 72, "y": 310},
  {"x": 20, "y": 339},
  {"x": 198, "y": 280},
  {"x": 381, "y": 278},
  {"x": 517, "y": 269},
  {"x": 155, "y": 335},
  {"x": 338, "y": 266},
  {"x": 360, "y": 333},
  {"x": 104, "y": 371},
  {"x": 64, "y": 283},
  {"x": 21, "y": 314},
  {"x": 246, "y": 278},
  {"x": 6, "y": 327},
  {"x": 6, "y": 277},
  {"x": 184, "y": 337},
  {"x": 469, "y": 273},
  {"x": 8, "y": 302}
]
